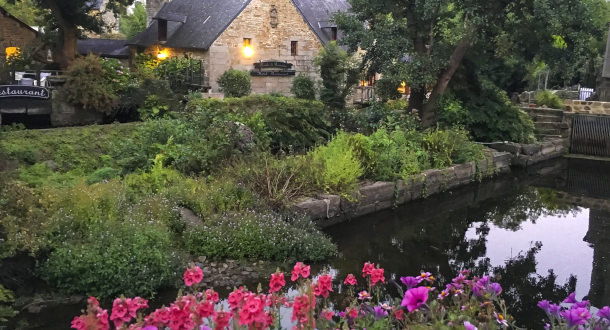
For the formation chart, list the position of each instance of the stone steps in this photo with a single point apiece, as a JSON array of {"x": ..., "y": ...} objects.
[
  {"x": 551, "y": 125},
  {"x": 547, "y": 118},
  {"x": 545, "y": 112}
]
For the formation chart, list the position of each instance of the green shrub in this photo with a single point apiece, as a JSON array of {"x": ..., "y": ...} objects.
[
  {"x": 451, "y": 113},
  {"x": 339, "y": 72},
  {"x": 235, "y": 83},
  {"x": 88, "y": 85},
  {"x": 7, "y": 298},
  {"x": 397, "y": 105},
  {"x": 396, "y": 154},
  {"x": 303, "y": 87},
  {"x": 126, "y": 258},
  {"x": 548, "y": 99},
  {"x": 289, "y": 123},
  {"x": 266, "y": 236},
  {"x": 495, "y": 118},
  {"x": 337, "y": 170},
  {"x": 102, "y": 174},
  {"x": 153, "y": 108}
]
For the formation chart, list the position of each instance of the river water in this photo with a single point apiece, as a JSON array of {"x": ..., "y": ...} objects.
[{"x": 543, "y": 232}]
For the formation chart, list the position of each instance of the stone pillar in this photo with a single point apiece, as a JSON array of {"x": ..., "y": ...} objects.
[{"x": 152, "y": 7}]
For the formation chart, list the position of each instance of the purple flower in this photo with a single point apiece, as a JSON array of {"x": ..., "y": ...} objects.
[
  {"x": 547, "y": 326},
  {"x": 203, "y": 327},
  {"x": 544, "y": 304},
  {"x": 410, "y": 281},
  {"x": 469, "y": 326},
  {"x": 380, "y": 312},
  {"x": 576, "y": 316},
  {"x": 495, "y": 288},
  {"x": 151, "y": 327},
  {"x": 425, "y": 276},
  {"x": 554, "y": 309},
  {"x": 581, "y": 304},
  {"x": 483, "y": 281},
  {"x": 571, "y": 299},
  {"x": 415, "y": 298},
  {"x": 604, "y": 313}
]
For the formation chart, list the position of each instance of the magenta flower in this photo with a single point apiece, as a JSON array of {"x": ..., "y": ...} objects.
[
  {"x": 576, "y": 316},
  {"x": 571, "y": 299},
  {"x": 545, "y": 305},
  {"x": 410, "y": 281},
  {"x": 415, "y": 298},
  {"x": 425, "y": 276},
  {"x": 604, "y": 313},
  {"x": 364, "y": 295},
  {"x": 554, "y": 309},
  {"x": 495, "y": 288},
  {"x": 469, "y": 326},
  {"x": 581, "y": 304},
  {"x": 380, "y": 312}
]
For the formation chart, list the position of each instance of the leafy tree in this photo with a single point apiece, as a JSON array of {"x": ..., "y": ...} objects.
[
  {"x": 339, "y": 74},
  {"x": 424, "y": 42},
  {"x": 71, "y": 18},
  {"x": 24, "y": 10},
  {"x": 132, "y": 24}
]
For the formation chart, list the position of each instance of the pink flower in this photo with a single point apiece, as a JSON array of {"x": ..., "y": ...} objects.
[
  {"x": 377, "y": 276},
  {"x": 469, "y": 326},
  {"x": 415, "y": 298},
  {"x": 398, "y": 315},
  {"x": 300, "y": 269},
  {"x": 301, "y": 308},
  {"x": 323, "y": 286},
  {"x": 328, "y": 315},
  {"x": 277, "y": 282},
  {"x": 211, "y": 295},
  {"x": 124, "y": 309},
  {"x": 192, "y": 275},
  {"x": 221, "y": 320},
  {"x": 205, "y": 309},
  {"x": 364, "y": 295},
  {"x": 350, "y": 280},
  {"x": 367, "y": 269},
  {"x": 236, "y": 298},
  {"x": 79, "y": 323}
]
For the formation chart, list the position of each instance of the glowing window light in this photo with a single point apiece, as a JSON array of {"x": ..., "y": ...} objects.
[
  {"x": 161, "y": 55},
  {"x": 248, "y": 50}
]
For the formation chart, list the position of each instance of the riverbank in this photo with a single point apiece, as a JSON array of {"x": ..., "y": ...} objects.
[{"x": 327, "y": 210}]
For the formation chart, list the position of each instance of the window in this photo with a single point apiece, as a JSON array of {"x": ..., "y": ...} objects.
[
  {"x": 248, "y": 50},
  {"x": 162, "y": 29},
  {"x": 294, "y": 48},
  {"x": 333, "y": 31}
]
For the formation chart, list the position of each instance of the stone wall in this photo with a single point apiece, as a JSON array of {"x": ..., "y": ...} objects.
[
  {"x": 587, "y": 107},
  {"x": 13, "y": 33},
  {"x": 327, "y": 210},
  {"x": 268, "y": 43},
  {"x": 64, "y": 114}
]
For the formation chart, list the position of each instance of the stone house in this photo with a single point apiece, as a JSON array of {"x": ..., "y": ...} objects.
[
  {"x": 14, "y": 34},
  {"x": 272, "y": 39}
]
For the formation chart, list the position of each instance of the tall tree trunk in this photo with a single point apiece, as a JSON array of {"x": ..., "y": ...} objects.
[
  {"x": 417, "y": 98},
  {"x": 68, "y": 31},
  {"x": 428, "y": 114}
]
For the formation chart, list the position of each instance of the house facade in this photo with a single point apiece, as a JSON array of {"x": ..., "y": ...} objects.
[
  {"x": 274, "y": 40},
  {"x": 14, "y": 35}
]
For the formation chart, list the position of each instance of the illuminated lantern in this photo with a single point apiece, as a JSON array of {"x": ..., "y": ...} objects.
[{"x": 161, "y": 55}]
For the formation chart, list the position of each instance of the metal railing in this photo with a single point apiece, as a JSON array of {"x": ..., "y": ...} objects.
[{"x": 591, "y": 135}]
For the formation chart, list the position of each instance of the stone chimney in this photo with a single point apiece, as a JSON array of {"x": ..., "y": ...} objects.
[{"x": 152, "y": 8}]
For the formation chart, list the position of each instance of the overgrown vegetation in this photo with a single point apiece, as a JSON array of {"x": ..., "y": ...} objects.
[
  {"x": 549, "y": 100},
  {"x": 235, "y": 83}
]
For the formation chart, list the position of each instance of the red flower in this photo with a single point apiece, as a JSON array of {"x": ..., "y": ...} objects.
[
  {"x": 367, "y": 269},
  {"x": 205, "y": 309},
  {"x": 350, "y": 280},
  {"x": 253, "y": 310},
  {"x": 277, "y": 282},
  {"x": 301, "y": 308},
  {"x": 327, "y": 314},
  {"x": 377, "y": 276},
  {"x": 236, "y": 298},
  {"x": 398, "y": 315},
  {"x": 79, "y": 323},
  {"x": 323, "y": 286},
  {"x": 351, "y": 312},
  {"x": 192, "y": 275},
  {"x": 221, "y": 320},
  {"x": 211, "y": 295},
  {"x": 300, "y": 269}
]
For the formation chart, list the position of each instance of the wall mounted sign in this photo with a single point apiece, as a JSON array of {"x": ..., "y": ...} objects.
[
  {"x": 19, "y": 91},
  {"x": 272, "y": 69}
]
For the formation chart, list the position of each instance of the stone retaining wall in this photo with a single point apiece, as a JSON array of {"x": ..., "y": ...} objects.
[
  {"x": 587, "y": 107},
  {"x": 327, "y": 210}
]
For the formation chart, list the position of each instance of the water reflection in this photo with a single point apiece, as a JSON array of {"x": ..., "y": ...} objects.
[{"x": 538, "y": 234}]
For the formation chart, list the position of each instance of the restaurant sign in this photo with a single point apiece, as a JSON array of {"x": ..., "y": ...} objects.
[{"x": 19, "y": 91}]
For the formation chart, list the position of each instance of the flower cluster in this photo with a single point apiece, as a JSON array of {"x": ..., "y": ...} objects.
[
  {"x": 575, "y": 314},
  {"x": 465, "y": 303}
]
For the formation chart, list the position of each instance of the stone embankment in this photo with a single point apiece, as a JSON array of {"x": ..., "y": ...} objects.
[{"x": 327, "y": 210}]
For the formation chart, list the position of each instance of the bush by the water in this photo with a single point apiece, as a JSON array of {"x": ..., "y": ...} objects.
[
  {"x": 255, "y": 235},
  {"x": 235, "y": 83},
  {"x": 488, "y": 115}
]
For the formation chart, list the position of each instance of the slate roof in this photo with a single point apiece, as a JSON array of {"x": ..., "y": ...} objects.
[
  {"x": 104, "y": 47},
  {"x": 6, "y": 13},
  {"x": 196, "y": 24}
]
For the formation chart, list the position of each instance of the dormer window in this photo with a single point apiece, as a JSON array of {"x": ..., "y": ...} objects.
[
  {"x": 333, "y": 31},
  {"x": 162, "y": 29}
]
